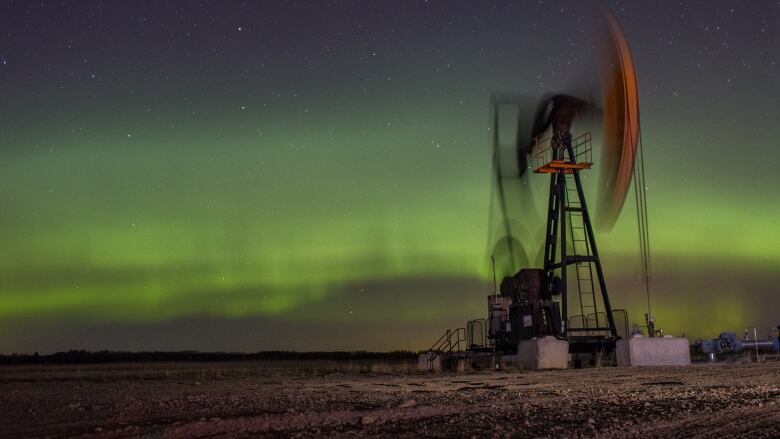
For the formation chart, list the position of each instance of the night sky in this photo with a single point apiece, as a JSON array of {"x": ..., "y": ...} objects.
[{"x": 316, "y": 175}]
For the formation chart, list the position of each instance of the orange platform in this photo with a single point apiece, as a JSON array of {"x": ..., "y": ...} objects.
[{"x": 557, "y": 166}]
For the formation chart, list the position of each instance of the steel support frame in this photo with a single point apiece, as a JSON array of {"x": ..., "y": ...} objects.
[{"x": 556, "y": 234}]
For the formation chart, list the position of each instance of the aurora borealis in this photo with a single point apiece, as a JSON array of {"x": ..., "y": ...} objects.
[{"x": 316, "y": 176}]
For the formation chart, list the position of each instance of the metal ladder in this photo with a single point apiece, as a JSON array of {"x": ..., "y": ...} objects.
[{"x": 580, "y": 247}]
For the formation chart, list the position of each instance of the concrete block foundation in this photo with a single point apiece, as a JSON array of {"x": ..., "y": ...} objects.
[
  {"x": 655, "y": 351},
  {"x": 429, "y": 362},
  {"x": 543, "y": 353}
]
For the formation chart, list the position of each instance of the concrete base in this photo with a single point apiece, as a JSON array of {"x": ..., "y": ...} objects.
[
  {"x": 543, "y": 353},
  {"x": 423, "y": 365},
  {"x": 656, "y": 351},
  {"x": 463, "y": 366}
]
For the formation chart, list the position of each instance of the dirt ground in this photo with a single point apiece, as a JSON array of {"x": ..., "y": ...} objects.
[{"x": 246, "y": 400}]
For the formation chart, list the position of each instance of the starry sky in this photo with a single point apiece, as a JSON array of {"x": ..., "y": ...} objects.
[{"x": 316, "y": 175}]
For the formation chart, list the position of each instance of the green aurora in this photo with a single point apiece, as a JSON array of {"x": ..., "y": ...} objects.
[{"x": 138, "y": 201}]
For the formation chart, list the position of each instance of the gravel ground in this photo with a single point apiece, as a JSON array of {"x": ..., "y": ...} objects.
[{"x": 240, "y": 400}]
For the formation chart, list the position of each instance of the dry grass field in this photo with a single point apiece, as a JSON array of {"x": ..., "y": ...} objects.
[{"x": 386, "y": 400}]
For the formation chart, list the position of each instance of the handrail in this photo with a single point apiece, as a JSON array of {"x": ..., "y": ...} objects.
[
  {"x": 571, "y": 326},
  {"x": 581, "y": 146},
  {"x": 587, "y": 320},
  {"x": 624, "y": 313},
  {"x": 440, "y": 340},
  {"x": 594, "y": 316},
  {"x": 450, "y": 340},
  {"x": 471, "y": 339},
  {"x": 445, "y": 344}
]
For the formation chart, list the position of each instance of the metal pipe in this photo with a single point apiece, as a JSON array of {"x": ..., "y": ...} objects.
[
  {"x": 758, "y": 344},
  {"x": 755, "y": 337}
]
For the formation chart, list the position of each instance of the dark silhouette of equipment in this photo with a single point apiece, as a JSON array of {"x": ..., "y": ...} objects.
[
  {"x": 567, "y": 296},
  {"x": 552, "y": 280}
]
